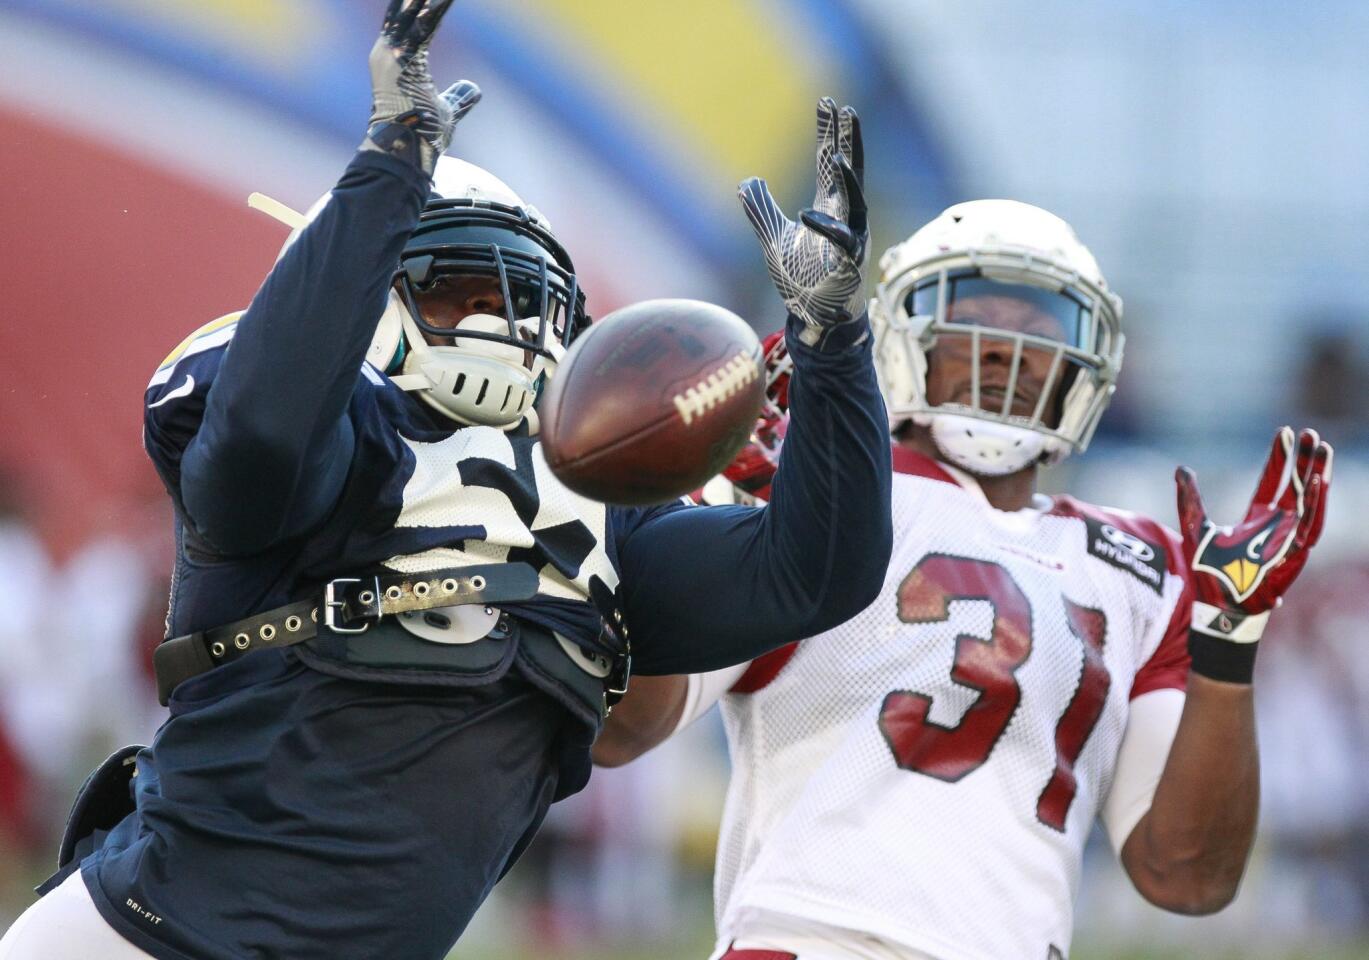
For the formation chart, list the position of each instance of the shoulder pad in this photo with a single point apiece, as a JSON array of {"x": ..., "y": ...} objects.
[{"x": 212, "y": 334}]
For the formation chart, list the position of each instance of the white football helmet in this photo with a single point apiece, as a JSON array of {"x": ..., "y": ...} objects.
[
  {"x": 999, "y": 248},
  {"x": 488, "y": 369}
]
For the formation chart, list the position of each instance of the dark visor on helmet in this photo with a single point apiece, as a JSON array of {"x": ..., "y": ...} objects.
[
  {"x": 1063, "y": 316},
  {"x": 525, "y": 272}
]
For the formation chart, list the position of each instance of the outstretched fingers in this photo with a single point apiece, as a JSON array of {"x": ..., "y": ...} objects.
[
  {"x": 1318, "y": 486},
  {"x": 838, "y": 233},
  {"x": 460, "y": 97},
  {"x": 850, "y": 144},
  {"x": 1192, "y": 513},
  {"x": 429, "y": 16},
  {"x": 767, "y": 219},
  {"x": 1275, "y": 469},
  {"x": 857, "y": 213},
  {"x": 841, "y": 177},
  {"x": 828, "y": 124},
  {"x": 1292, "y": 494},
  {"x": 399, "y": 23},
  {"x": 1309, "y": 443},
  {"x": 410, "y": 24}
]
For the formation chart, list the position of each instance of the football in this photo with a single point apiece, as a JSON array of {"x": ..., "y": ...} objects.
[{"x": 652, "y": 401}]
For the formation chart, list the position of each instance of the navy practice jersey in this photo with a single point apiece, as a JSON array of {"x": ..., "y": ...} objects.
[
  {"x": 291, "y": 462},
  {"x": 418, "y": 495}
]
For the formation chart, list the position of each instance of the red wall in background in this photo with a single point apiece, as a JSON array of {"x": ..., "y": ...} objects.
[{"x": 106, "y": 262}]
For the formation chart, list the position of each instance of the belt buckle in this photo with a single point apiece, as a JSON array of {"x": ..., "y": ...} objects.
[
  {"x": 617, "y": 680},
  {"x": 332, "y": 605}
]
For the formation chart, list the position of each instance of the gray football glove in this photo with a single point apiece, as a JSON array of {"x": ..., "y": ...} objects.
[
  {"x": 816, "y": 263},
  {"x": 402, "y": 89}
]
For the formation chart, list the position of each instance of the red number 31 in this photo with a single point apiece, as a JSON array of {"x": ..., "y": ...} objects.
[{"x": 990, "y": 666}]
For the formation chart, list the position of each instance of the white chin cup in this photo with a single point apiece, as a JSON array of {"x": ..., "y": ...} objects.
[
  {"x": 478, "y": 382},
  {"x": 983, "y": 448}
]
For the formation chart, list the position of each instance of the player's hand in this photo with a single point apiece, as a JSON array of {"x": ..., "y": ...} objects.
[
  {"x": 816, "y": 263},
  {"x": 1241, "y": 572},
  {"x": 402, "y": 89}
]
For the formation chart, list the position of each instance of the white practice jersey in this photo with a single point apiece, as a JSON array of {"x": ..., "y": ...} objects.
[{"x": 928, "y": 772}]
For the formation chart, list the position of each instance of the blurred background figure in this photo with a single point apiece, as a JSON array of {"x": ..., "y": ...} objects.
[
  {"x": 1332, "y": 379},
  {"x": 1212, "y": 153}
]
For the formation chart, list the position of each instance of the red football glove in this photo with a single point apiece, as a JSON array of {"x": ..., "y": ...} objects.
[{"x": 1240, "y": 573}]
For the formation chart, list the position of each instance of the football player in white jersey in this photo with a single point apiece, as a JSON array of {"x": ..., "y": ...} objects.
[{"x": 921, "y": 782}]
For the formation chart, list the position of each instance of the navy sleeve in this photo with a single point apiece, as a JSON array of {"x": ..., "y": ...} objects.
[
  {"x": 272, "y": 452},
  {"x": 707, "y": 587}
]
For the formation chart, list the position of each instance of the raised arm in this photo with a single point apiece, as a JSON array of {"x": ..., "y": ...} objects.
[
  {"x": 273, "y": 449},
  {"x": 1187, "y": 853},
  {"x": 712, "y": 586}
]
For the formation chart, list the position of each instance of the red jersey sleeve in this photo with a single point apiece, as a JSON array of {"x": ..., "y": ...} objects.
[
  {"x": 1167, "y": 668},
  {"x": 764, "y": 669}
]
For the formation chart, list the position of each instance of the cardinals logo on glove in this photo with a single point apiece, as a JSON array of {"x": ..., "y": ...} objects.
[{"x": 1240, "y": 572}]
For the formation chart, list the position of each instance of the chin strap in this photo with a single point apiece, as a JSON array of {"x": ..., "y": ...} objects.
[
  {"x": 410, "y": 381},
  {"x": 276, "y": 210}
]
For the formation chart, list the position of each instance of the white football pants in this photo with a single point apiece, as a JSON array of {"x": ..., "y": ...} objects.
[
  {"x": 805, "y": 940},
  {"x": 65, "y": 925}
]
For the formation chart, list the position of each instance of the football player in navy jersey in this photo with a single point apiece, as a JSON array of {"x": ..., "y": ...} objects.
[{"x": 387, "y": 651}]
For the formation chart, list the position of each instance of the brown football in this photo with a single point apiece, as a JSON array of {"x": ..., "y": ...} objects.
[{"x": 652, "y": 401}]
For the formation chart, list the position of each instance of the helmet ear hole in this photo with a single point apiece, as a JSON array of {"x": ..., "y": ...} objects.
[{"x": 387, "y": 346}]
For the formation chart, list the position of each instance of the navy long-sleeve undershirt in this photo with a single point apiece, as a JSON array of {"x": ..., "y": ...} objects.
[
  {"x": 716, "y": 585},
  {"x": 273, "y": 452},
  {"x": 701, "y": 587}
]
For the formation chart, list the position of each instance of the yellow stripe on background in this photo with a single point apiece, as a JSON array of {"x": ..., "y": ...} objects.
[
  {"x": 273, "y": 30},
  {"x": 718, "y": 72}
]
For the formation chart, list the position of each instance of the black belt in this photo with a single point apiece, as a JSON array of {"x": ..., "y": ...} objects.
[{"x": 347, "y": 605}]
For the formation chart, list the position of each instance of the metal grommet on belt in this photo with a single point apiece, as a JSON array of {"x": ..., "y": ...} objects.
[{"x": 350, "y": 605}]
